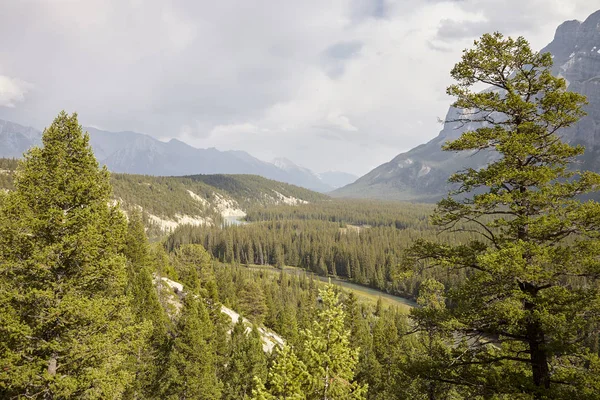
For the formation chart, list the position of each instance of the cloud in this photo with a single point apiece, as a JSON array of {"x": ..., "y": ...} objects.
[
  {"x": 336, "y": 121},
  {"x": 234, "y": 129},
  {"x": 337, "y": 55},
  {"x": 451, "y": 29},
  {"x": 513, "y": 17},
  {"x": 331, "y": 85},
  {"x": 12, "y": 91}
]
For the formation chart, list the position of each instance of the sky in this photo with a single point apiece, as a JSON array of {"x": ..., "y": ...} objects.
[{"x": 330, "y": 84}]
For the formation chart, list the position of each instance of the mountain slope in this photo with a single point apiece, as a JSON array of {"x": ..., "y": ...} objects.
[
  {"x": 421, "y": 174},
  {"x": 302, "y": 176},
  {"x": 168, "y": 202},
  {"x": 136, "y": 153}
]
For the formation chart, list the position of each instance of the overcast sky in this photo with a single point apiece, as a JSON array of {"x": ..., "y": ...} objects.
[{"x": 330, "y": 84}]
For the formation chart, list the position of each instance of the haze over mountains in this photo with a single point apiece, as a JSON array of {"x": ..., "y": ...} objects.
[
  {"x": 417, "y": 175},
  {"x": 421, "y": 174},
  {"x": 137, "y": 153}
]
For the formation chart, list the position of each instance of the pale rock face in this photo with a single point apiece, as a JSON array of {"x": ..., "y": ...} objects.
[
  {"x": 269, "y": 338},
  {"x": 227, "y": 207},
  {"x": 422, "y": 173},
  {"x": 199, "y": 199},
  {"x": 166, "y": 224},
  {"x": 292, "y": 201}
]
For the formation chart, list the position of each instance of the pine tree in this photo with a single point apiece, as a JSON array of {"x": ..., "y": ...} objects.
[
  {"x": 194, "y": 267},
  {"x": 327, "y": 354},
  {"x": 150, "y": 356},
  {"x": 533, "y": 268},
  {"x": 66, "y": 329},
  {"x": 190, "y": 371},
  {"x": 246, "y": 360},
  {"x": 288, "y": 378},
  {"x": 252, "y": 302},
  {"x": 433, "y": 350}
]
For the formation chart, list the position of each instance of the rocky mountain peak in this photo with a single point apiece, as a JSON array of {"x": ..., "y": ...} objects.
[{"x": 422, "y": 173}]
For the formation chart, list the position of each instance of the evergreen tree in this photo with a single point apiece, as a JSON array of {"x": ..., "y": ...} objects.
[
  {"x": 433, "y": 350},
  {"x": 147, "y": 309},
  {"x": 66, "y": 329},
  {"x": 190, "y": 371},
  {"x": 246, "y": 360},
  {"x": 252, "y": 302},
  {"x": 532, "y": 295},
  {"x": 194, "y": 268},
  {"x": 326, "y": 352},
  {"x": 288, "y": 378}
]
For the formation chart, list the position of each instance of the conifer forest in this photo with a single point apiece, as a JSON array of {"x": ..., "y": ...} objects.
[{"x": 500, "y": 278}]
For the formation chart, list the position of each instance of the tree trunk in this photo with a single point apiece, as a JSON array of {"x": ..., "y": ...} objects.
[{"x": 539, "y": 358}]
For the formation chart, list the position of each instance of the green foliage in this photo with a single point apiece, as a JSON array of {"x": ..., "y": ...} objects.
[
  {"x": 197, "y": 196},
  {"x": 147, "y": 309},
  {"x": 248, "y": 190},
  {"x": 193, "y": 266},
  {"x": 190, "y": 371},
  {"x": 325, "y": 366},
  {"x": 532, "y": 295},
  {"x": 246, "y": 360},
  {"x": 367, "y": 255},
  {"x": 361, "y": 213},
  {"x": 252, "y": 302},
  {"x": 7, "y": 169},
  {"x": 288, "y": 378},
  {"x": 326, "y": 352},
  {"x": 66, "y": 328}
]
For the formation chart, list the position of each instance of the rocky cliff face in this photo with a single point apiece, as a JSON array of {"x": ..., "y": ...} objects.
[{"x": 421, "y": 174}]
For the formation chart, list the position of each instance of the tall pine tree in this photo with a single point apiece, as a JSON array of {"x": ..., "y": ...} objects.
[
  {"x": 532, "y": 293},
  {"x": 151, "y": 354},
  {"x": 66, "y": 329},
  {"x": 327, "y": 354},
  {"x": 190, "y": 371},
  {"x": 246, "y": 360}
]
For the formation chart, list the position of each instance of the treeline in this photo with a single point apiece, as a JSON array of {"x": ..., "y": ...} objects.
[
  {"x": 350, "y": 212},
  {"x": 169, "y": 197},
  {"x": 367, "y": 256}
]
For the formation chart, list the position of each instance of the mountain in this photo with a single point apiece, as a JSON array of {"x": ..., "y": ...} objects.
[
  {"x": 302, "y": 176},
  {"x": 136, "y": 153},
  {"x": 15, "y": 139},
  {"x": 421, "y": 174},
  {"x": 168, "y": 202}
]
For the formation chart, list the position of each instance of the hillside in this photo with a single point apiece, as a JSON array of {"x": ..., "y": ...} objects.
[
  {"x": 421, "y": 174},
  {"x": 168, "y": 202}
]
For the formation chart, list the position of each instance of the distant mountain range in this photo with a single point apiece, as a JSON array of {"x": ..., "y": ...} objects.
[
  {"x": 136, "y": 153},
  {"x": 421, "y": 174}
]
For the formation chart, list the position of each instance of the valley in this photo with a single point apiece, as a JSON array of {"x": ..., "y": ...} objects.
[{"x": 138, "y": 268}]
